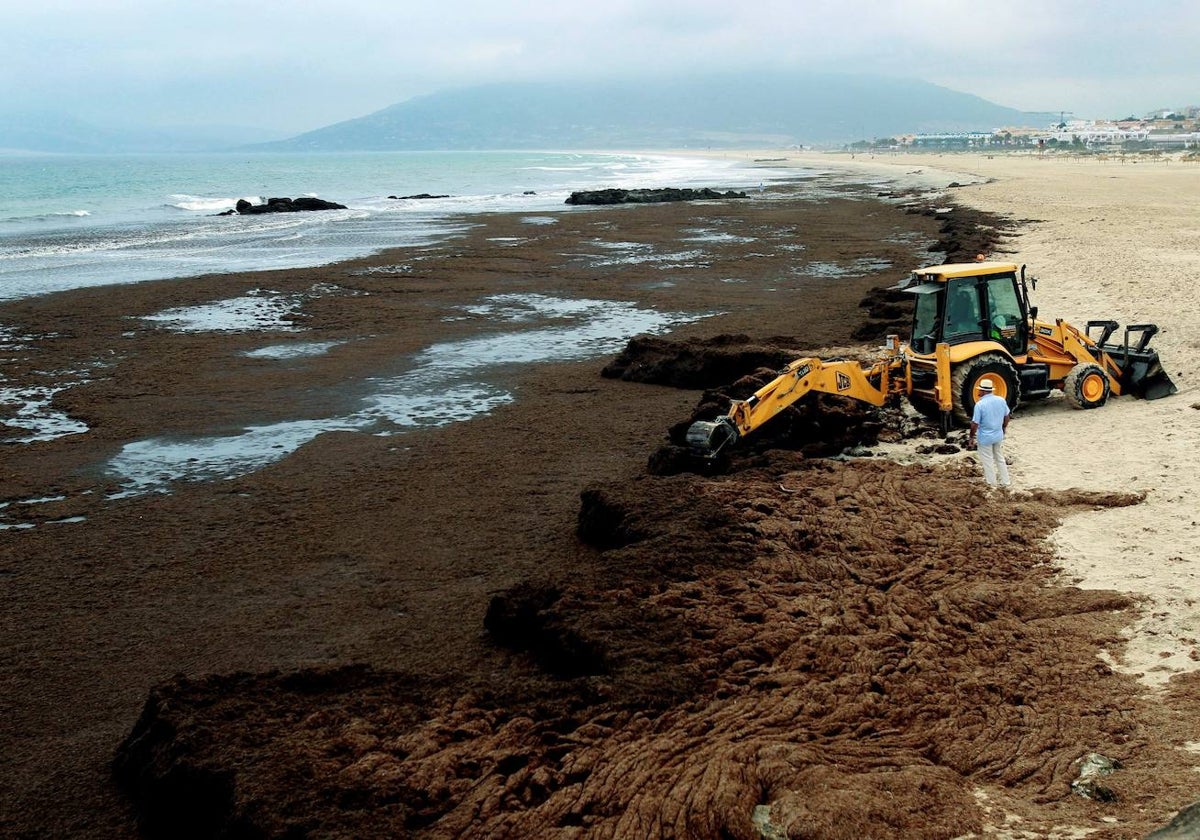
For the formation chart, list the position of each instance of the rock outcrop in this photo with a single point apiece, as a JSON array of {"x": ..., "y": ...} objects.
[
  {"x": 282, "y": 205},
  {"x": 647, "y": 196}
]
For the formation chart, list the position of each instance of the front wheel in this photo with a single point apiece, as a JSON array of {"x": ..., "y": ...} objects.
[
  {"x": 1086, "y": 386},
  {"x": 964, "y": 383}
]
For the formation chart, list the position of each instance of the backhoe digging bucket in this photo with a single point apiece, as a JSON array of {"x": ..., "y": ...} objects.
[{"x": 707, "y": 438}]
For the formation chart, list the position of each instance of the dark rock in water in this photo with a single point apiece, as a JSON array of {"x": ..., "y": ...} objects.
[
  {"x": 418, "y": 195},
  {"x": 647, "y": 196},
  {"x": 309, "y": 203},
  {"x": 284, "y": 205}
]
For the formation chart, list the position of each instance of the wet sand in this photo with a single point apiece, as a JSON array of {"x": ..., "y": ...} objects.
[{"x": 847, "y": 645}]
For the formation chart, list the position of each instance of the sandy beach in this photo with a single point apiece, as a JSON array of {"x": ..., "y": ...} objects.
[
  {"x": 508, "y": 627},
  {"x": 1110, "y": 237}
]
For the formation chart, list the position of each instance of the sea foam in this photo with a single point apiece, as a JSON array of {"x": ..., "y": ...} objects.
[{"x": 181, "y": 201}]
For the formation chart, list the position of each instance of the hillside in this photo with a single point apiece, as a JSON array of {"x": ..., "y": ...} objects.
[{"x": 726, "y": 110}]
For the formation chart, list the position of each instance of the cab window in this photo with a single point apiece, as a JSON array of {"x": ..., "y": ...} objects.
[
  {"x": 1004, "y": 310},
  {"x": 925, "y": 321},
  {"x": 962, "y": 309}
]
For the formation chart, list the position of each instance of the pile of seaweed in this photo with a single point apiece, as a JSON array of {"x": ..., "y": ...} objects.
[
  {"x": 733, "y": 367},
  {"x": 825, "y": 649}
]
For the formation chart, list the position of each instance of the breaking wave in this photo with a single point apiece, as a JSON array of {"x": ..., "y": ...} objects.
[
  {"x": 182, "y": 201},
  {"x": 45, "y": 217}
]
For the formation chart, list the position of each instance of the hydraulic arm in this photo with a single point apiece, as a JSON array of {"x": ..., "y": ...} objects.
[{"x": 848, "y": 378}]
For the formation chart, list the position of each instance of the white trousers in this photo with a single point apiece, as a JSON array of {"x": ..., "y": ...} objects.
[{"x": 991, "y": 458}]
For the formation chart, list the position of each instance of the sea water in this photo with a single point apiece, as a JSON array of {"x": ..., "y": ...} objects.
[
  {"x": 69, "y": 221},
  {"x": 73, "y": 221}
]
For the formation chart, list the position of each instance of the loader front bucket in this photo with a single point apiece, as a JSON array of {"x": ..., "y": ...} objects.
[
  {"x": 1142, "y": 374},
  {"x": 1153, "y": 384}
]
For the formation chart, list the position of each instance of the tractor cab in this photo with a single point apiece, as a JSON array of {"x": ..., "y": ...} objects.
[{"x": 965, "y": 302}]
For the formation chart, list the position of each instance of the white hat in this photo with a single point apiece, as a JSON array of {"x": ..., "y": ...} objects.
[{"x": 985, "y": 384}]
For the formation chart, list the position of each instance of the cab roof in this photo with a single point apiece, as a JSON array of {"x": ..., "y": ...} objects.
[{"x": 971, "y": 269}]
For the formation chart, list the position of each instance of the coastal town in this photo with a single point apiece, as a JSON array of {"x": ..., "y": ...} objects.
[{"x": 1166, "y": 130}]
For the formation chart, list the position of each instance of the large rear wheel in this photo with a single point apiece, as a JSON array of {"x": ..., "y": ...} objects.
[
  {"x": 1086, "y": 386},
  {"x": 965, "y": 379}
]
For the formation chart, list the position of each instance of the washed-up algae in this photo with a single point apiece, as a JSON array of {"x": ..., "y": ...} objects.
[
  {"x": 798, "y": 648},
  {"x": 850, "y": 648}
]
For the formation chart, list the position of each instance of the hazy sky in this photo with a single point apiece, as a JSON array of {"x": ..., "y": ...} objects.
[{"x": 301, "y": 64}]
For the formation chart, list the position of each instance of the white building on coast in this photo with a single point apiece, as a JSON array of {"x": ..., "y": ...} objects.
[{"x": 1086, "y": 134}]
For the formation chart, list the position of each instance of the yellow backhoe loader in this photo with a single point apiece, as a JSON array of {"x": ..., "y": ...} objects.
[{"x": 970, "y": 321}]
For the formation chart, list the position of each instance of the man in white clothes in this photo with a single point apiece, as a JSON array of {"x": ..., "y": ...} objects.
[{"x": 988, "y": 425}]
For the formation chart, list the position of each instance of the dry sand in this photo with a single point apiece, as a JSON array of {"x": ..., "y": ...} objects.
[{"x": 1110, "y": 237}]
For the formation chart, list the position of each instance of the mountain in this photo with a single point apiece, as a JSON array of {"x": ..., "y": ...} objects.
[
  {"x": 45, "y": 131},
  {"x": 48, "y": 132},
  {"x": 724, "y": 111}
]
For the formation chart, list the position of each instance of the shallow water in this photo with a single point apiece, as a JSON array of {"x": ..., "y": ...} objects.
[
  {"x": 258, "y": 310},
  {"x": 300, "y": 350},
  {"x": 446, "y": 382}
]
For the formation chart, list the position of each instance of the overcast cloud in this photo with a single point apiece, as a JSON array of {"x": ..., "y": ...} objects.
[{"x": 301, "y": 64}]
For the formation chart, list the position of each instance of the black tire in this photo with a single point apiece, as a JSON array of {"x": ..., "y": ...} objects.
[
  {"x": 964, "y": 383},
  {"x": 1086, "y": 386}
]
